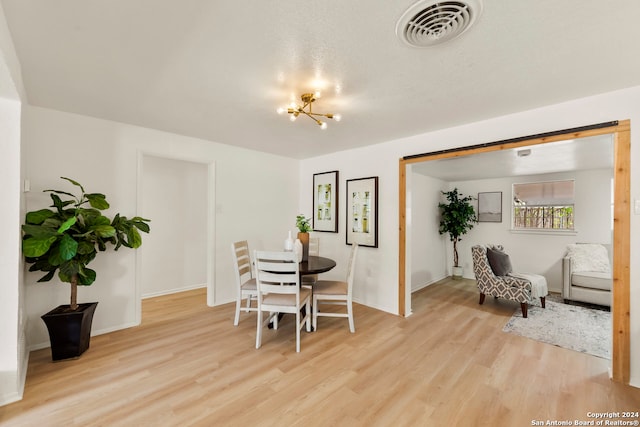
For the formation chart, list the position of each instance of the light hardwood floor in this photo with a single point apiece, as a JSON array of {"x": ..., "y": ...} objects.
[{"x": 448, "y": 364}]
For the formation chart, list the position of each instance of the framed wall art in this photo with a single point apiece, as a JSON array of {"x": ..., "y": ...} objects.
[
  {"x": 362, "y": 211},
  {"x": 325, "y": 201},
  {"x": 490, "y": 206}
]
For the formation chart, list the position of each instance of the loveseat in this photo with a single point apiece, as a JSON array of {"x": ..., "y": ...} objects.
[{"x": 586, "y": 273}]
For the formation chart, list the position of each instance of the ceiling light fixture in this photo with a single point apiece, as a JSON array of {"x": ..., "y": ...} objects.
[{"x": 306, "y": 108}]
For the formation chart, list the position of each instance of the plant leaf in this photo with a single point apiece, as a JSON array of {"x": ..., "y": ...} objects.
[
  {"x": 47, "y": 276},
  {"x": 103, "y": 230},
  {"x": 97, "y": 200},
  {"x": 68, "y": 247},
  {"x": 34, "y": 247},
  {"x": 67, "y": 224},
  {"x": 85, "y": 247},
  {"x": 38, "y": 231},
  {"x": 141, "y": 225},
  {"x": 76, "y": 183},
  {"x": 133, "y": 237},
  {"x": 86, "y": 277},
  {"x": 38, "y": 217}
]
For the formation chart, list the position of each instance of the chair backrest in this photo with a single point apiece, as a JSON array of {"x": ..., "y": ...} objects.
[
  {"x": 243, "y": 270},
  {"x": 352, "y": 267},
  {"x": 481, "y": 267},
  {"x": 314, "y": 246},
  {"x": 275, "y": 269}
]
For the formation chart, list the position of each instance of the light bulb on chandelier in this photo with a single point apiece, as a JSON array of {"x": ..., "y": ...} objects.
[{"x": 306, "y": 108}]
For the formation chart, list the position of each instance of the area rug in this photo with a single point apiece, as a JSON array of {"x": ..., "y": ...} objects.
[{"x": 577, "y": 328}]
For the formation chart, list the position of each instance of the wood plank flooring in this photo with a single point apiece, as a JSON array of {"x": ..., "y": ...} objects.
[{"x": 448, "y": 364}]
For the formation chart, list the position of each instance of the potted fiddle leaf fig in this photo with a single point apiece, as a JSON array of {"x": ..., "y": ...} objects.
[
  {"x": 65, "y": 238},
  {"x": 457, "y": 217}
]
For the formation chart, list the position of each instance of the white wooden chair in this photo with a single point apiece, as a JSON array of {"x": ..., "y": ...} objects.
[
  {"x": 245, "y": 283},
  {"x": 336, "y": 292},
  {"x": 314, "y": 250},
  {"x": 279, "y": 291}
]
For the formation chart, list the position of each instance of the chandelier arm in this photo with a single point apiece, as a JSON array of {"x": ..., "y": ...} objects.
[{"x": 310, "y": 115}]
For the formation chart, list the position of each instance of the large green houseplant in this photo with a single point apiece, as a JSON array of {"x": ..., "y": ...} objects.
[
  {"x": 457, "y": 217},
  {"x": 69, "y": 235}
]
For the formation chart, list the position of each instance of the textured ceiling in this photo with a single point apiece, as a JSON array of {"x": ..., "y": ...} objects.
[
  {"x": 217, "y": 70},
  {"x": 594, "y": 152}
]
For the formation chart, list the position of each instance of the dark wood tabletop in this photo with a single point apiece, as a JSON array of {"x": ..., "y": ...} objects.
[{"x": 316, "y": 265}]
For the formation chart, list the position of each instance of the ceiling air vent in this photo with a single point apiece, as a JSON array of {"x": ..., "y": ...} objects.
[{"x": 428, "y": 23}]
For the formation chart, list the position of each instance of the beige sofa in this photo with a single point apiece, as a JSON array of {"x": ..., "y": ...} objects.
[{"x": 586, "y": 270}]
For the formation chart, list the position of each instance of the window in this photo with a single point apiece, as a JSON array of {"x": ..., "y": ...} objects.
[{"x": 543, "y": 205}]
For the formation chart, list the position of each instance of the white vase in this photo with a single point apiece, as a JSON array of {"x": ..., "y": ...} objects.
[
  {"x": 456, "y": 272},
  {"x": 288, "y": 243},
  {"x": 298, "y": 249}
]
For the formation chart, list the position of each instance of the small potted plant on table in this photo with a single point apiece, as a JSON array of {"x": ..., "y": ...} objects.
[{"x": 304, "y": 226}]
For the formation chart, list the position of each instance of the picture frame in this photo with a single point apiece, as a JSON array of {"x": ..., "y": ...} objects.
[
  {"x": 490, "y": 206},
  {"x": 362, "y": 212},
  {"x": 325, "y": 201}
]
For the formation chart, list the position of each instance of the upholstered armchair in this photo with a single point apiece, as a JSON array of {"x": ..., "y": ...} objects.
[
  {"x": 586, "y": 274},
  {"x": 495, "y": 277}
]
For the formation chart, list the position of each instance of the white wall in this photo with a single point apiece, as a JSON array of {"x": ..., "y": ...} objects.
[
  {"x": 428, "y": 246},
  {"x": 377, "y": 272},
  {"x": 256, "y": 199},
  {"x": 541, "y": 253},
  {"x": 174, "y": 257},
  {"x": 13, "y": 356}
]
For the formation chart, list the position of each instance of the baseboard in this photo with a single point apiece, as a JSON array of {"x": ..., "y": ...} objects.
[
  {"x": 424, "y": 285},
  {"x": 173, "y": 291}
]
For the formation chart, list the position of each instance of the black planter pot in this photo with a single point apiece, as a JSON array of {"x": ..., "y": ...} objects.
[{"x": 69, "y": 330}]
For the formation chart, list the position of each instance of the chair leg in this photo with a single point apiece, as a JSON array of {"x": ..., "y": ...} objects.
[
  {"x": 259, "y": 331},
  {"x": 481, "y": 298},
  {"x": 542, "y": 301},
  {"x": 352, "y": 328},
  {"x": 315, "y": 313},
  {"x": 298, "y": 327},
  {"x": 237, "y": 319},
  {"x": 308, "y": 316},
  {"x": 523, "y": 306}
]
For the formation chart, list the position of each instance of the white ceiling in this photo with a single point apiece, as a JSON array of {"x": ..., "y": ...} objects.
[
  {"x": 219, "y": 69},
  {"x": 565, "y": 156}
]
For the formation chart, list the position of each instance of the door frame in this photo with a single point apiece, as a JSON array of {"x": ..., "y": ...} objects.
[
  {"x": 620, "y": 308},
  {"x": 210, "y": 226}
]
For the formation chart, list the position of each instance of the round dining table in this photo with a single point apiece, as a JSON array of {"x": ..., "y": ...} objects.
[{"x": 315, "y": 265}]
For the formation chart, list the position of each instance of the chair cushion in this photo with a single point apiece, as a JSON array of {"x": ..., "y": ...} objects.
[
  {"x": 588, "y": 257},
  {"x": 250, "y": 285},
  {"x": 330, "y": 287},
  {"x": 286, "y": 299},
  {"x": 592, "y": 279},
  {"x": 499, "y": 262}
]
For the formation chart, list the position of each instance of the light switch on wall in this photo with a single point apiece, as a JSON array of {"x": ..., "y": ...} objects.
[{"x": 636, "y": 206}]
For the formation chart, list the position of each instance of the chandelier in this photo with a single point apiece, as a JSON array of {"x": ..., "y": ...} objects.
[{"x": 306, "y": 108}]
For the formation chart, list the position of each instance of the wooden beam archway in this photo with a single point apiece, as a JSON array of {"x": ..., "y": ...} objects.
[{"x": 620, "y": 309}]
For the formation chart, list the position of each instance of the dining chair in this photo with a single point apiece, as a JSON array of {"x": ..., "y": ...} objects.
[
  {"x": 337, "y": 293},
  {"x": 314, "y": 250},
  {"x": 245, "y": 282},
  {"x": 279, "y": 291}
]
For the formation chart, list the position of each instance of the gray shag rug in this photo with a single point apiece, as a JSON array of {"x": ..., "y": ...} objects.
[{"x": 577, "y": 328}]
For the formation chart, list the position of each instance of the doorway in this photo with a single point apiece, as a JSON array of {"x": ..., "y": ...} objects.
[
  {"x": 177, "y": 194},
  {"x": 620, "y": 369}
]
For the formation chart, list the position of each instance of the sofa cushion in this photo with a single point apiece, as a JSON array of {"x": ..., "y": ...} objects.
[
  {"x": 499, "y": 262},
  {"x": 592, "y": 280},
  {"x": 588, "y": 257}
]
